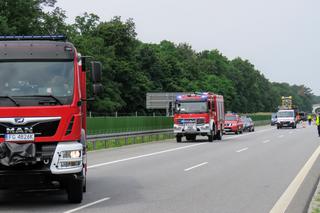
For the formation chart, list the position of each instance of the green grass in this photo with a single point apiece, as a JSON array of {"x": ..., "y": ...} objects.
[{"x": 260, "y": 116}]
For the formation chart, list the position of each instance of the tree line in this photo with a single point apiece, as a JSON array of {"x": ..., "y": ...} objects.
[{"x": 131, "y": 68}]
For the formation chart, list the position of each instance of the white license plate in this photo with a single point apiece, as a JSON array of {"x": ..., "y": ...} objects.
[{"x": 19, "y": 137}]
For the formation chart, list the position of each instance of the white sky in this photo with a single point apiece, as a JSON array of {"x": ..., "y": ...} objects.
[{"x": 280, "y": 37}]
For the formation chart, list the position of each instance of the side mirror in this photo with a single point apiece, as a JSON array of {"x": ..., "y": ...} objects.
[
  {"x": 96, "y": 71},
  {"x": 97, "y": 88}
]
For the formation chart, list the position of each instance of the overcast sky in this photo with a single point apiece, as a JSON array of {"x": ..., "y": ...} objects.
[{"x": 280, "y": 37}]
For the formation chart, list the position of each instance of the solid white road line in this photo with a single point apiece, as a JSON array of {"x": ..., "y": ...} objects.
[
  {"x": 285, "y": 199},
  {"x": 143, "y": 156},
  {"x": 241, "y": 150},
  {"x": 266, "y": 141},
  {"x": 196, "y": 166},
  {"x": 88, "y": 205}
]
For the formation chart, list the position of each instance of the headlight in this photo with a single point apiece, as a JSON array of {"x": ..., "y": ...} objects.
[{"x": 71, "y": 154}]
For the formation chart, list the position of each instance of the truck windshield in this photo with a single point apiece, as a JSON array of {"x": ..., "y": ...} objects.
[
  {"x": 191, "y": 107},
  {"x": 30, "y": 83},
  {"x": 283, "y": 114}
]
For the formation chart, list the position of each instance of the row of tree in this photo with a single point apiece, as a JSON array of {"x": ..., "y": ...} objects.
[{"x": 133, "y": 68}]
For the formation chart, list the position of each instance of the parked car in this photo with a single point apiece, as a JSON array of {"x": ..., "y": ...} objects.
[
  {"x": 248, "y": 124},
  {"x": 273, "y": 119},
  {"x": 233, "y": 123}
]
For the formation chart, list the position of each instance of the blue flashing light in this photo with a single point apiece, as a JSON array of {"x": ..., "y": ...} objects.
[{"x": 34, "y": 37}]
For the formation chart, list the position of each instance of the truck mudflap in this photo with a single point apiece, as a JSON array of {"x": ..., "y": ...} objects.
[{"x": 12, "y": 154}]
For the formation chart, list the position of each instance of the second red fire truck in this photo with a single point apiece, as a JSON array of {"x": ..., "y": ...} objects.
[{"x": 199, "y": 114}]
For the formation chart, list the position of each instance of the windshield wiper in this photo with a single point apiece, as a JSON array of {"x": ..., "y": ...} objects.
[
  {"x": 11, "y": 99},
  {"x": 56, "y": 100}
]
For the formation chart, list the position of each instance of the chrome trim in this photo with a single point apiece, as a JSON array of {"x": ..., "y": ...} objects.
[{"x": 28, "y": 120}]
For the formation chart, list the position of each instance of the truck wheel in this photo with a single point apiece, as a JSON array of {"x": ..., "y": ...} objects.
[
  {"x": 219, "y": 135},
  {"x": 210, "y": 137},
  {"x": 236, "y": 132},
  {"x": 75, "y": 191},
  {"x": 84, "y": 185},
  {"x": 178, "y": 138}
]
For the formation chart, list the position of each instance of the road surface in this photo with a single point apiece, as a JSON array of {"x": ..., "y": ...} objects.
[{"x": 242, "y": 173}]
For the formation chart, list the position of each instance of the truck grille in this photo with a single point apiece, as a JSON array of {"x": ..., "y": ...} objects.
[{"x": 43, "y": 129}]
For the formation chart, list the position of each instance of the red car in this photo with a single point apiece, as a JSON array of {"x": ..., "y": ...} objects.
[{"x": 233, "y": 123}]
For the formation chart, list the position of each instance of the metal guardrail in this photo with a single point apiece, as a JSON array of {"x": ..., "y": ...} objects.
[
  {"x": 127, "y": 134},
  {"x": 125, "y": 138}
]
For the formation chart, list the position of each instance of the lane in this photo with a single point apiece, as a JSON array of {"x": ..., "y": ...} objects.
[
  {"x": 158, "y": 183},
  {"x": 175, "y": 193}
]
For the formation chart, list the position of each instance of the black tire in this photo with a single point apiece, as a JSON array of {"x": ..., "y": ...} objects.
[
  {"x": 219, "y": 135},
  {"x": 236, "y": 132},
  {"x": 84, "y": 187},
  {"x": 75, "y": 191},
  {"x": 210, "y": 137},
  {"x": 179, "y": 139},
  {"x": 278, "y": 127},
  {"x": 252, "y": 129}
]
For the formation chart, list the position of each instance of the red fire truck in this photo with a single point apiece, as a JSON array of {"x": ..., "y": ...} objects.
[
  {"x": 199, "y": 114},
  {"x": 43, "y": 114}
]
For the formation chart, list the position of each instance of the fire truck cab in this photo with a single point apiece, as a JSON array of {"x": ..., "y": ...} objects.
[
  {"x": 199, "y": 114},
  {"x": 43, "y": 114}
]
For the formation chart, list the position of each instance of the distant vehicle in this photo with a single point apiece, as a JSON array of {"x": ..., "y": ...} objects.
[
  {"x": 286, "y": 118},
  {"x": 199, "y": 114},
  {"x": 273, "y": 119},
  {"x": 248, "y": 124},
  {"x": 303, "y": 116},
  {"x": 233, "y": 123}
]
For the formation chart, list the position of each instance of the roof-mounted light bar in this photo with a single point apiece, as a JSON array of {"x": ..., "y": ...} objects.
[{"x": 34, "y": 37}]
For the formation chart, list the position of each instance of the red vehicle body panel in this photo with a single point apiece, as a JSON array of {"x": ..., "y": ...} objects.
[{"x": 233, "y": 125}]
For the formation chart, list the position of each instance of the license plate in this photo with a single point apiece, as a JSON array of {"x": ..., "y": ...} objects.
[{"x": 19, "y": 137}]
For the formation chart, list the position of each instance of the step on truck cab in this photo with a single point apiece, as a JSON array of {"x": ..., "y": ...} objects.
[
  {"x": 43, "y": 114},
  {"x": 199, "y": 114}
]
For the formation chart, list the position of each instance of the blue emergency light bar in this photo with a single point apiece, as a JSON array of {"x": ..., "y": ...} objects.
[
  {"x": 34, "y": 37},
  {"x": 198, "y": 97}
]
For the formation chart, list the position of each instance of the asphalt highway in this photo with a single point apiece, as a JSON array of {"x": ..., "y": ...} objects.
[{"x": 252, "y": 172}]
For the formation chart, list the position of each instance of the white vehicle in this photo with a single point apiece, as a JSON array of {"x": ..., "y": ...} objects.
[{"x": 286, "y": 118}]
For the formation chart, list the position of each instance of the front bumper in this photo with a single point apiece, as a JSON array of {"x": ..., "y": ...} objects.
[
  {"x": 230, "y": 129},
  {"x": 286, "y": 123},
  {"x": 39, "y": 166},
  {"x": 195, "y": 129}
]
